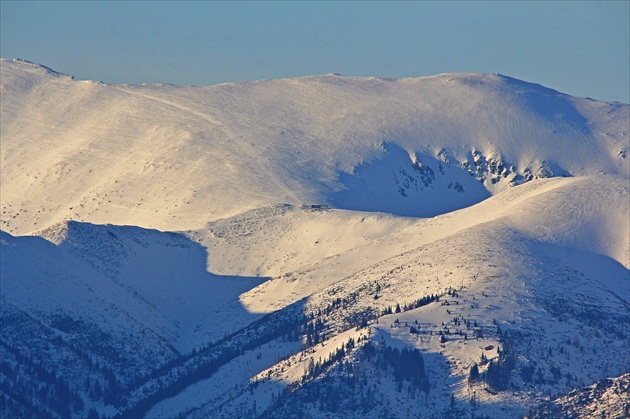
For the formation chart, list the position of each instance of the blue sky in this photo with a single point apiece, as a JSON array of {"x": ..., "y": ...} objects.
[{"x": 580, "y": 48}]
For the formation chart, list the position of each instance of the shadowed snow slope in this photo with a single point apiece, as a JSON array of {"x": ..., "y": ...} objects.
[
  {"x": 157, "y": 279},
  {"x": 169, "y": 157}
]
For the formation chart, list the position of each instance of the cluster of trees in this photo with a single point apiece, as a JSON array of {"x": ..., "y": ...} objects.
[
  {"x": 316, "y": 368},
  {"x": 334, "y": 394},
  {"x": 333, "y": 306},
  {"x": 499, "y": 371},
  {"x": 348, "y": 386},
  {"x": 47, "y": 372},
  {"x": 313, "y": 330},
  {"x": 406, "y": 364},
  {"x": 32, "y": 386},
  {"x": 421, "y": 302},
  {"x": 205, "y": 362}
]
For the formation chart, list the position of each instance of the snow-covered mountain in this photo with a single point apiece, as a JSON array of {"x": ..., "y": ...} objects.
[
  {"x": 323, "y": 246},
  {"x": 174, "y": 158}
]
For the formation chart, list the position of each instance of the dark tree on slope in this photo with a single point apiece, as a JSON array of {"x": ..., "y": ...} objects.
[{"x": 473, "y": 376}]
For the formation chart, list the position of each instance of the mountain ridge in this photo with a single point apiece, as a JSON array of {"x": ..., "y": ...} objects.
[{"x": 299, "y": 141}]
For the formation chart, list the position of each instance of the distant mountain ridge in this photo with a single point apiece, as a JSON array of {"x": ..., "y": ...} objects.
[{"x": 133, "y": 154}]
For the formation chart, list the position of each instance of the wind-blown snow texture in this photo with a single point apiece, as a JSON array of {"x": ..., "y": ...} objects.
[
  {"x": 281, "y": 247},
  {"x": 171, "y": 157}
]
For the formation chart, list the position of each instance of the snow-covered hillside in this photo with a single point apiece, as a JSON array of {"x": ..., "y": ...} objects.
[
  {"x": 326, "y": 246},
  {"x": 608, "y": 398},
  {"x": 174, "y": 158}
]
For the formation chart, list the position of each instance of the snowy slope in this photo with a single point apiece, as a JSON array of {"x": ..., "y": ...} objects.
[
  {"x": 159, "y": 279},
  {"x": 607, "y": 398},
  {"x": 134, "y": 154},
  {"x": 547, "y": 289},
  {"x": 178, "y": 264},
  {"x": 543, "y": 292}
]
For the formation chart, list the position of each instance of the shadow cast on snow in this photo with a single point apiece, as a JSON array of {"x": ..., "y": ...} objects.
[
  {"x": 419, "y": 186},
  {"x": 108, "y": 291}
]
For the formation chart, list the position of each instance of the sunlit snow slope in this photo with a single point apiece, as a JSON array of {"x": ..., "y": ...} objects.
[{"x": 170, "y": 157}]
